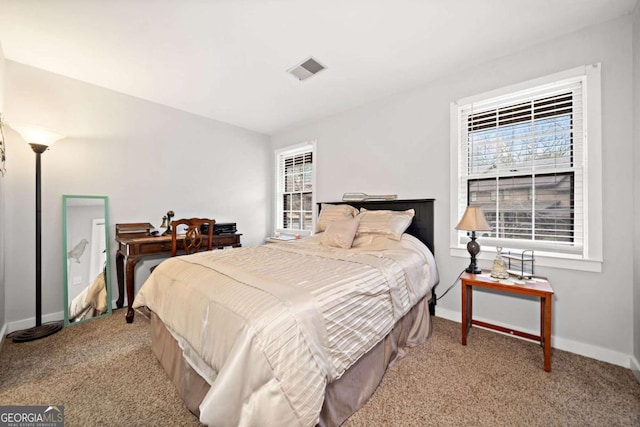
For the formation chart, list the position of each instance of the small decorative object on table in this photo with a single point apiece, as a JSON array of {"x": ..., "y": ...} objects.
[
  {"x": 499, "y": 270},
  {"x": 520, "y": 263},
  {"x": 166, "y": 222}
]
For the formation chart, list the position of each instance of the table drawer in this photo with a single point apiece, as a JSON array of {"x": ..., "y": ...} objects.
[
  {"x": 153, "y": 248},
  {"x": 228, "y": 240}
]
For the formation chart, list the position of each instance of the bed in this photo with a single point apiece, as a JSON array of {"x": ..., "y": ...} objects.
[
  {"x": 296, "y": 333},
  {"x": 91, "y": 302}
]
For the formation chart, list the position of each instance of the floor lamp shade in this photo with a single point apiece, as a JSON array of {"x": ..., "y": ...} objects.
[
  {"x": 36, "y": 135},
  {"x": 39, "y": 139},
  {"x": 473, "y": 220}
]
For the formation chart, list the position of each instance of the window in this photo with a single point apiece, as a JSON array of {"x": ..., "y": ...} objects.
[
  {"x": 521, "y": 156},
  {"x": 295, "y": 178}
]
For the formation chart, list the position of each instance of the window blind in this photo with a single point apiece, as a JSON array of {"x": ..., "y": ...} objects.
[
  {"x": 522, "y": 161},
  {"x": 295, "y": 189}
]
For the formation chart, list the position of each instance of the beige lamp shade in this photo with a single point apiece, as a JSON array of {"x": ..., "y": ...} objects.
[
  {"x": 473, "y": 220},
  {"x": 36, "y": 135}
]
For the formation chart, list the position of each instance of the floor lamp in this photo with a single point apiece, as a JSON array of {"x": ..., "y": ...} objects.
[{"x": 39, "y": 139}]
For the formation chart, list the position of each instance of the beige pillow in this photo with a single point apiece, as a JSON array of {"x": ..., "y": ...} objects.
[
  {"x": 340, "y": 234},
  {"x": 389, "y": 223},
  {"x": 330, "y": 213}
]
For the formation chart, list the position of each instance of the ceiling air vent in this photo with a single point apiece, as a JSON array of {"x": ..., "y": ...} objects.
[{"x": 307, "y": 69}]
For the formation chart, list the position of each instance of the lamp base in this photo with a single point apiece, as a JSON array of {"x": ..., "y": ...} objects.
[
  {"x": 474, "y": 269},
  {"x": 37, "y": 332},
  {"x": 474, "y": 248}
]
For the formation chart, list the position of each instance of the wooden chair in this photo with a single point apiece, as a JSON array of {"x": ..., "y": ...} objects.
[{"x": 193, "y": 239}]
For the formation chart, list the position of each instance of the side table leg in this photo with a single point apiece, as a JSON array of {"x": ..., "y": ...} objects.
[
  {"x": 547, "y": 333},
  {"x": 543, "y": 309},
  {"x": 131, "y": 268},
  {"x": 465, "y": 312},
  {"x": 120, "y": 277}
]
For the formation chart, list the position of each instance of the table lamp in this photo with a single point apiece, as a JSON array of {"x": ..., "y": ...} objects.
[{"x": 473, "y": 220}]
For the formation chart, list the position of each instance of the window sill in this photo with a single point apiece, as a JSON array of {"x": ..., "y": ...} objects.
[{"x": 563, "y": 261}]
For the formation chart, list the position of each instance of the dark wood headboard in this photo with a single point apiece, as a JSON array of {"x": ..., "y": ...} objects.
[{"x": 422, "y": 224}]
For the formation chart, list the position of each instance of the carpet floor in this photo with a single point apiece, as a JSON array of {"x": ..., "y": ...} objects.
[{"x": 104, "y": 374}]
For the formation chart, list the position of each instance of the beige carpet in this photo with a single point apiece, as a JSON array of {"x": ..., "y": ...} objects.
[{"x": 104, "y": 373}]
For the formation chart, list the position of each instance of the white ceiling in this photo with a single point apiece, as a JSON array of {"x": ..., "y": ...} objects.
[{"x": 227, "y": 59}]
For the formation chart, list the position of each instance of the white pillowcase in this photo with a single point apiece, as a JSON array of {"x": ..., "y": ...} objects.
[
  {"x": 386, "y": 222},
  {"x": 330, "y": 213},
  {"x": 340, "y": 234}
]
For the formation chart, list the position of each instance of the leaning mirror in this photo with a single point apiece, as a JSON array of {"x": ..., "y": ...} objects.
[{"x": 86, "y": 258}]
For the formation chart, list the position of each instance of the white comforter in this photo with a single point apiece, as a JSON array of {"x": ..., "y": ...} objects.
[{"x": 269, "y": 326}]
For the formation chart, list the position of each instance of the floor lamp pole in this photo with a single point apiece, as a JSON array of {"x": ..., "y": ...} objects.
[
  {"x": 38, "y": 237},
  {"x": 40, "y": 330}
]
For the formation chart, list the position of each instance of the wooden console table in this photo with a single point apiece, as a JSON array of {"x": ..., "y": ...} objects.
[
  {"x": 538, "y": 288},
  {"x": 134, "y": 246}
]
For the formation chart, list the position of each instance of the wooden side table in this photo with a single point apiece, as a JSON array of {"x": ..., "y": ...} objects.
[{"x": 538, "y": 288}]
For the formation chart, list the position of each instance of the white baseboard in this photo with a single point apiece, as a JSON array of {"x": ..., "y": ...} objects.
[
  {"x": 635, "y": 368},
  {"x": 587, "y": 350},
  {"x": 19, "y": 325}
]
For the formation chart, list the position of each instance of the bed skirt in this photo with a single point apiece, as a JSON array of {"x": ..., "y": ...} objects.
[{"x": 343, "y": 397}]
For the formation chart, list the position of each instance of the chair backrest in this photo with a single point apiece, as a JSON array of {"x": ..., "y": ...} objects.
[{"x": 193, "y": 239}]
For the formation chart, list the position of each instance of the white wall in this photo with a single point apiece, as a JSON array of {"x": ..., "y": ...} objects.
[
  {"x": 2, "y": 205},
  {"x": 145, "y": 157},
  {"x": 401, "y": 145}
]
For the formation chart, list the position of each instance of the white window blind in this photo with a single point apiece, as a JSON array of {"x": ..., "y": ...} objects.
[
  {"x": 295, "y": 188},
  {"x": 522, "y": 159}
]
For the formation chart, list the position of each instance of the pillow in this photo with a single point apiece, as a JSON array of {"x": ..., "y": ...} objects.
[
  {"x": 390, "y": 223},
  {"x": 340, "y": 234},
  {"x": 330, "y": 213}
]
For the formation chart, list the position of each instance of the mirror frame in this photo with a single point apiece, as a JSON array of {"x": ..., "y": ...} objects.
[{"x": 65, "y": 249}]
